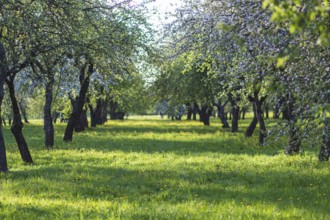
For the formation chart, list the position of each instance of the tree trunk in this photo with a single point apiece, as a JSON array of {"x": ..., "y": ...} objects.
[
  {"x": 206, "y": 112},
  {"x": 234, "y": 113},
  {"x": 3, "y": 156},
  {"x": 55, "y": 117},
  {"x": 196, "y": 111},
  {"x": 249, "y": 131},
  {"x": 243, "y": 113},
  {"x": 325, "y": 148},
  {"x": 76, "y": 113},
  {"x": 48, "y": 121},
  {"x": 235, "y": 118},
  {"x": 23, "y": 111},
  {"x": 100, "y": 112},
  {"x": 82, "y": 123},
  {"x": 115, "y": 114},
  {"x": 260, "y": 117},
  {"x": 17, "y": 125},
  {"x": 294, "y": 137},
  {"x": 267, "y": 110},
  {"x": 92, "y": 114},
  {"x": 221, "y": 114},
  {"x": 189, "y": 111}
]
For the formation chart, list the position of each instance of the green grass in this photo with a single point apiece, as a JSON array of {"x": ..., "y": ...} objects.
[{"x": 160, "y": 169}]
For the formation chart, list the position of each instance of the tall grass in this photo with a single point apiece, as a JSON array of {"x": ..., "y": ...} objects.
[{"x": 160, "y": 169}]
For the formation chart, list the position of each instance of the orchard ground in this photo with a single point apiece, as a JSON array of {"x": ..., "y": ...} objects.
[{"x": 148, "y": 168}]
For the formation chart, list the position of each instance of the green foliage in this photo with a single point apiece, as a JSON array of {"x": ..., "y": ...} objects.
[
  {"x": 301, "y": 15},
  {"x": 159, "y": 169}
]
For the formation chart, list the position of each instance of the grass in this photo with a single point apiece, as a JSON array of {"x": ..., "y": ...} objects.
[{"x": 160, "y": 169}]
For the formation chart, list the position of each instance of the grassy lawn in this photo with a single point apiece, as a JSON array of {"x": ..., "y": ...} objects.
[{"x": 147, "y": 168}]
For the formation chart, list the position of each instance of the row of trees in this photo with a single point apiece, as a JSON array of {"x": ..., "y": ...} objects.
[
  {"x": 62, "y": 48},
  {"x": 262, "y": 52}
]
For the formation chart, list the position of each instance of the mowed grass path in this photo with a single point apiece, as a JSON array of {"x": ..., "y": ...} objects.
[{"x": 145, "y": 168}]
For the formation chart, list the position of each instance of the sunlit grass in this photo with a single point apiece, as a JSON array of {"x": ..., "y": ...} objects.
[{"x": 147, "y": 168}]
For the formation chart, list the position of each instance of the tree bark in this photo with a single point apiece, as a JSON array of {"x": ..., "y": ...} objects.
[
  {"x": 82, "y": 122},
  {"x": 234, "y": 113},
  {"x": 294, "y": 137},
  {"x": 23, "y": 111},
  {"x": 260, "y": 117},
  {"x": 221, "y": 114},
  {"x": 196, "y": 110},
  {"x": 206, "y": 112},
  {"x": 17, "y": 125},
  {"x": 267, "y": 110},
  {"x": 235, "y": 118},
  {"x": 249, "y": 131},
  {"x": 92, "y": 114},
  {"x": 76, "y": 113},
  {"x": 243, "y": 113},
  {"x": 48, "y": 121},
  {"x": 3, "y": 155},
  {"x": 189, "y": 111}
]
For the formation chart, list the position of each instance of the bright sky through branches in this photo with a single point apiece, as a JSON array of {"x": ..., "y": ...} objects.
[{"x": 162, "y": 9}]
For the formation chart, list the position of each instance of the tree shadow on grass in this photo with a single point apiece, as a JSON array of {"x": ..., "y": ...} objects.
[{"x": 284, "y": 190}]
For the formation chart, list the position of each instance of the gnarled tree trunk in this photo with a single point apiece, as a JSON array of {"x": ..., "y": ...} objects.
[
  {"x": 76, "y": 113},
  {"x": 249, "y": 131},
  {"x": 23, "y": 111},
  {"x": 260, "y": 117},
  {"x": 206, "y": 112},
  {"x": 17, "y": 125},
  {"x": 221, "y": 113}
]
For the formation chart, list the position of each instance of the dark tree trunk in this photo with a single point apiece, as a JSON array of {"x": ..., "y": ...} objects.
[
  {"x": 243, "y": 113},
  {"x": 221, "y": 114},
  {"x": 249, "y": 131},
  {"x": 235, "y": 118},
  {"x": 55, "y": 117},
  {"x": 267, "y": 110},
  {"x": 206, "y": 112},
  {"x": 325, "y": 148},
  {"x": 23, "y": 111},
  {"x": 260, "y": 117},
  {"x": 82, "y": 123},
  {"x": 48, "y": 121},
  {"x": 189, "y": 111},
  {"x": 17, "y": 125},
  {"x": 104, "y": 112},
  {"x": 294, "y": 137},
  {"x": 3, "y": 156},
  {"x": 234, "y": 113},
  {"x": 93, "y": 118},
  {"x": 100, "y": 112},
  {"x": 75, "y": 115},
  {"x": 196, "y": 110}
]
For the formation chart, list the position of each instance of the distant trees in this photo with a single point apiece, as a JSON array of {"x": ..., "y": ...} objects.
[
  {"x": 53, "y": 39},
  {"x": 249, "y": 57}
]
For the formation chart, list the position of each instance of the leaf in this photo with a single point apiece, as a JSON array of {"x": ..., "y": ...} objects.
[{"x": 282, "y": 61}]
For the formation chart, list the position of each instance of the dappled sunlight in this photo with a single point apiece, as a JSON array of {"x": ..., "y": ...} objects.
[{"x": 133, "y": 170}]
